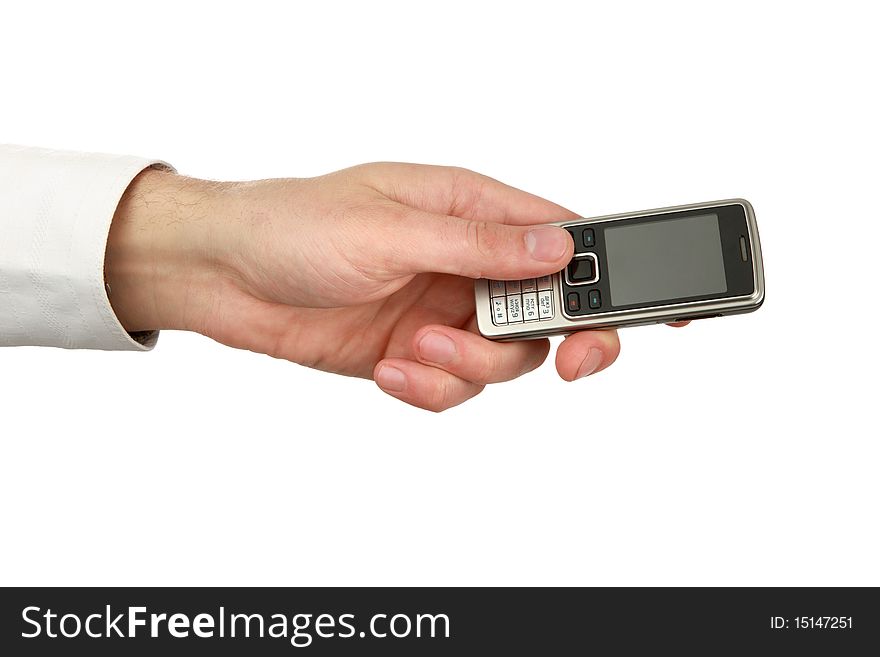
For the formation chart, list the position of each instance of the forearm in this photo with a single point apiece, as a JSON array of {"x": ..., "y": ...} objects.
[{"x": 161, "y": 265}]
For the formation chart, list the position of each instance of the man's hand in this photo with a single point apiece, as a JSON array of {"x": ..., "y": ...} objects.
[{"x": 365, "y": 272}]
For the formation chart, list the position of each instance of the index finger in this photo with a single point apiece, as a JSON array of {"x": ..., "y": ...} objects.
[
  {"x": 474, "y": 358},
  {"x": 463, "y": 193}
]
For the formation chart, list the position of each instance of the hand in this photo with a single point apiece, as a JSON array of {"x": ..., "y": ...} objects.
[{"x": 365, "y": 272}]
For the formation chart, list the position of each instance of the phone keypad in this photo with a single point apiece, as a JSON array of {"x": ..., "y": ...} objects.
[
  {"x": 516, "y": 302},
  {"x": 584, "y": 282}
]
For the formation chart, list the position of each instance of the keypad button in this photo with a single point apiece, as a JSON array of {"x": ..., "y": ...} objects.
[
  {"x": 589, "y": 238},
  {"x": 530, "y": 307},
  {"x": 499, "y": 310},
  {"x": 580, "y": 270},
  {"x": 573, "y": 301},
  {"x": 528, "y": 300},
  {"x": 514, "y": 308},
  {"x": 595, "y": 299},
  {"x": 545, "y": 304}
]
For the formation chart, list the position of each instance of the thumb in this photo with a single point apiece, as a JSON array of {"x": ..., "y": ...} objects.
[{"x": 480, "y": 249}]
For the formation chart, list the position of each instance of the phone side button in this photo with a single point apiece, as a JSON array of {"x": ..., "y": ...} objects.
[
  {"x": 693, "y": 317},
  {"x": 499, "y": 311}
]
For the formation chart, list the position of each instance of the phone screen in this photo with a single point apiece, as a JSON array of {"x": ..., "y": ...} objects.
[{"x": 664, "y": 260}]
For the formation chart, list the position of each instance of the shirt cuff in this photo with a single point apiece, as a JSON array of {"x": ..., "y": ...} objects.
[{"x": 55, "y": 213}]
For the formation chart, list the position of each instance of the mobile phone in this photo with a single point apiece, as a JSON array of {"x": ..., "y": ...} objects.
[{"x": 650, "y": 267}]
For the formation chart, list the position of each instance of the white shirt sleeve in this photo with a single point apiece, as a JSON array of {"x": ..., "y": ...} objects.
[{"x": 55, "y": 214}]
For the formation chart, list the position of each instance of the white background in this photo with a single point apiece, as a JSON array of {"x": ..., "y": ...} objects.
[{"x": 736, "y": 451}]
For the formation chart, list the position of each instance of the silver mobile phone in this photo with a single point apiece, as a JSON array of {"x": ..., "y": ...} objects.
[{"x": 650, "y": 267}]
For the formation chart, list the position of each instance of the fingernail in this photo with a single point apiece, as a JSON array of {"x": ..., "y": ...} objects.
[
  {"x": 590, "y": 363},
  {"x": 437, "y": 348},
  {"x": 391, "y": 379},
  {"x": 547, "y": 244}
]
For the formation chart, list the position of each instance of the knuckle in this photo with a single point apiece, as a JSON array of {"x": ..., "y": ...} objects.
[
  {"x": 448, "y": 393},
  {"x": 491, "y": 367},
  {"x": 484, "y": 237},
  {"x": 440, "y": 397},
  {"x": 393, "y": 214},
  {"x": 459, "y": 176}
]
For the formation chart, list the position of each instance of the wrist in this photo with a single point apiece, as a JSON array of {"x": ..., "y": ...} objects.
[{"x": 161, "y": 263}]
